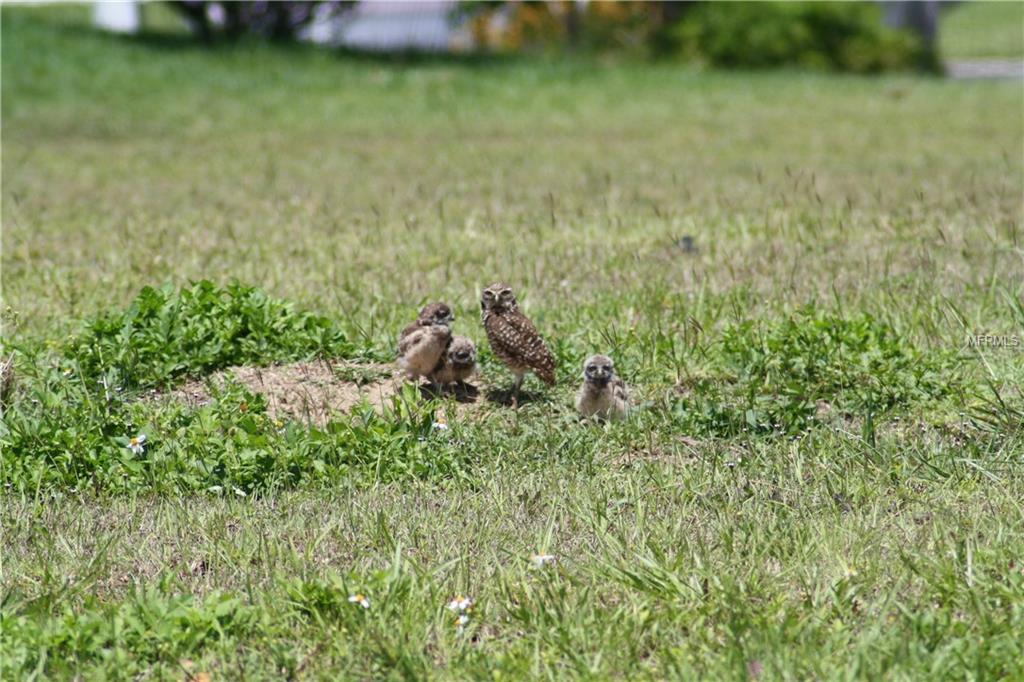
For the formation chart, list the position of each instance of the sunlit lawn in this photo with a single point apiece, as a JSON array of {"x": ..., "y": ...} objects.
[
  {"x": 823, "y": 478},
  {"x": 982, "y": 29}
]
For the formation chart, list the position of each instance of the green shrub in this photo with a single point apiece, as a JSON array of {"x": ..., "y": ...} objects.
[
  {"x": 845, "y": 36},
  {"x": 69, "y": 427},
  {"x": 772, "y": 375},
  {"x": 65, "y": 439},
  {"x": 720, "y": 409},
  {"x": 148, "y": 629},
  {"x": 856, "y": 361},
  {"x": 166, "y": 334}
]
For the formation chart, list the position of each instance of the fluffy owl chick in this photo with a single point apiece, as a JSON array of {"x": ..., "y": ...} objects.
[
  {"x": 6, "y": 380},
  {"x": 440, "y": 313},
  {"x": 421, "y": 349},
  {"x": 457, "y": 363},
  {"x": 513, "y": 337},
  {"x": 603, "y": 394}
]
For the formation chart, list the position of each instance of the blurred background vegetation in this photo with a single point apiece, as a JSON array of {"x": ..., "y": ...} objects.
[
  {"x": 840, "y": 36},
  {"x": 857, "y": 37}
]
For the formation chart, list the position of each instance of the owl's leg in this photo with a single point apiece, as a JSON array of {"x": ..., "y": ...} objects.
[{"x": 518, "y": 384}]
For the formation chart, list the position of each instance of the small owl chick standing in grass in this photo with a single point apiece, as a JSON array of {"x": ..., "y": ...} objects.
[
  {"x": 514, "y": 339},
  {"x": 422, "y": 344},
  {"x": 457, "y": 363},
  {"x": 603, "y": 394}
]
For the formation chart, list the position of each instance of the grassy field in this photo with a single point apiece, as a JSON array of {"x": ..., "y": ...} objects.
[
  {"x": 982, "y": 29},
  {"x": 823, "y": 478}
]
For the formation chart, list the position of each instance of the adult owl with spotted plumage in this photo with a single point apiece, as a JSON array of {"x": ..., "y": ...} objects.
[{"x": 514, "y": 339}]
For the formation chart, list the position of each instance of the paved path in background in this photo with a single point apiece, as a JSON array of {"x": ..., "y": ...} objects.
[{"x": 985, "y": 68}]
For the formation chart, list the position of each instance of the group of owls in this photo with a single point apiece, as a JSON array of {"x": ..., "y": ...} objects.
[{"x": 427, "y": 348}]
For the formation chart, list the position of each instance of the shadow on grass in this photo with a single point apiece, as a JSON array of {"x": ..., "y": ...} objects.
[
  {"x": 462, "y": 392},
  {"x": 503, "y": 396}
]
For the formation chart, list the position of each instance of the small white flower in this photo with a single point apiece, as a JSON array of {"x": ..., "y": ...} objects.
[
  {"x": 137, "y": 444},
  {"x": 360, "y": 599},
  {"x": 542, "y": 560},
  {"x": 460, "y": 603},
  {"x": 441, "y": 426},
  {"x": 461, "y": 622}
]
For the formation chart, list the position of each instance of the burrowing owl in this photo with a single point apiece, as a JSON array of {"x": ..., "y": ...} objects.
[
  {"x": 433, "y": 312},
  {"x": 6, "y": 380},
  {"x": 513, "y": 337},
  {"x": 422, "y": 344},
  {"x": 457, "y": 363},
  {"x": 603, "y": 394}
]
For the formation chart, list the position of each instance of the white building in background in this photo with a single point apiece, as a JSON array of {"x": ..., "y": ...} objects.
[
  {"x": 427, "y": 25},
  {"x": 123, "y": 16},
  {"x": 387, "y": 25}
]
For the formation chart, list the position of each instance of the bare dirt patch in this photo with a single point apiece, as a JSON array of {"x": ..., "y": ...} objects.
[{"x": 313, "y": 392}]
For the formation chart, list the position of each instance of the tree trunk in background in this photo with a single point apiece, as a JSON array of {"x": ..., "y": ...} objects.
[
  {"x": 195, "y": 17},
  {"x": 233, "y": 27},
  {"x": 670, "y": 12},
  {"x": 281, "y": 24},
  {"x": 573, "y": 25},
  {"x": 919, "y": 17}
]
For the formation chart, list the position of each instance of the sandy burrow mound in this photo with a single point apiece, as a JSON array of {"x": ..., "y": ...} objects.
[{"x": 312, "y": 392}]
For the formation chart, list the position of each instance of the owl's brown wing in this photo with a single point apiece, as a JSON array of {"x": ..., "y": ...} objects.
[
  {"x": 418, "y": 324},
  {"x": 619, "y": 390},
  {"x": 515, "y": 340},
  {"x": 411, "y": 336}
]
